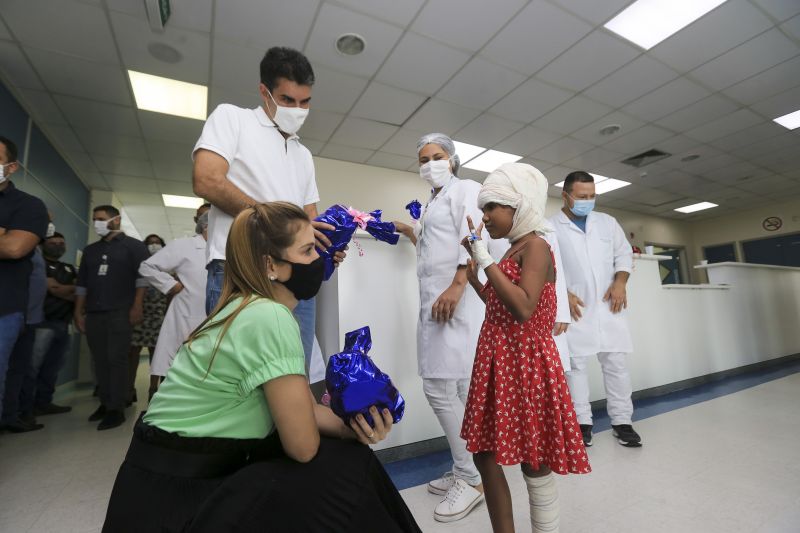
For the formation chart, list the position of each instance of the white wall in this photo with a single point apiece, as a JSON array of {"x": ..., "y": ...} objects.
[{"x": 746, "y": 225}]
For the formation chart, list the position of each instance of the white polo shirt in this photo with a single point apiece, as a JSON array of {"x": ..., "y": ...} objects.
[{"x": 262, "y": 164}]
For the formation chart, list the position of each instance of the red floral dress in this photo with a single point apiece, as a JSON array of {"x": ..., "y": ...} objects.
[{"x": 519, "y": 406}]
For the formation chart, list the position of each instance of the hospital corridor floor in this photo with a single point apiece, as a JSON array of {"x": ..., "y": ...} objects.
[{"x": 724, "y": 464}]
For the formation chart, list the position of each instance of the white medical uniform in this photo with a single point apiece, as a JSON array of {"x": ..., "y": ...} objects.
[
  {"x": 186, "y": 259},
  {"x": 446, "y": 350},
  {"x": 590, "y": 262}
]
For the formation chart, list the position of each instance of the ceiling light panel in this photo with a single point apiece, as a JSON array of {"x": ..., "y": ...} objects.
[
  {"x": 467, "y": 152},
  {"x": 696, "y": 207},
  {"x": 172, "y": 97},
  {"x": 790, "y": 121},
  {"x": 648, "y": 22},
  {"x": 187, "y": 202},
  {"x": 491, "y": 159},
  {"x": 602, "y": 184}
]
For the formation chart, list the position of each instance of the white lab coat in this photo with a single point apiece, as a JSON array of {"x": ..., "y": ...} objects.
[
  {"x": 186, "y": 259},
  {"x": 590, "y": 261},
  {"x": 447, "y": 350}
]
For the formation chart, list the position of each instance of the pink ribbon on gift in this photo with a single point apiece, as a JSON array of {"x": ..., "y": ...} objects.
[{"x": 359, "y": 217}]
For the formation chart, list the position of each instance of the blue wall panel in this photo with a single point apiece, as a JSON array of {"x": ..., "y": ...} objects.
[{"x": 50, "y": 178}]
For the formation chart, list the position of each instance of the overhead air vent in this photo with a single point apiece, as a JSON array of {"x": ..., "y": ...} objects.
[{"x": 646, "y": 158}]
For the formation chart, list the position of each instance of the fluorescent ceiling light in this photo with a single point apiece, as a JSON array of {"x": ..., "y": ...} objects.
[
  {"x": 648, "y": 22},
  {"x": 467, "y": 151},
  {"x": 790, "y": 121},
  {"x": 188, "y": 202},
  {"x": 173, "y": 97},
  {"x": 696, "y": 207},
  {"x": 491, "y": 159},
  {"x": 603, "y": 184},
  {"x": 608, "y": 185}
]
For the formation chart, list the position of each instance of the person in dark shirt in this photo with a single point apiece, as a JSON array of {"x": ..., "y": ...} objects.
[
  {"x": 23, "y": 224},
  {"x": 52, "y": 337},
  {"x": 13, "y": 420},
  {"x": 108, "y": 302}
]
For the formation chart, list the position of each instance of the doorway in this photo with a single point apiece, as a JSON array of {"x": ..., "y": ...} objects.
[{"x": 673, "y": 271}]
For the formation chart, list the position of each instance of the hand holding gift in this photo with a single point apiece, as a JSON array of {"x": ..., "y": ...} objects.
[
  {"x": 355, "y": 383},
  {"x": 344, "y": 222}
]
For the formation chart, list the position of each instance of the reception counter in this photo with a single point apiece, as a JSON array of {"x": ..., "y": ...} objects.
[{"x": 747, "y": 314}]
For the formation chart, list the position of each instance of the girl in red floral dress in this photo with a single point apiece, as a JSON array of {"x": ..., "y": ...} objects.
[{"x": 519, "y": 410}]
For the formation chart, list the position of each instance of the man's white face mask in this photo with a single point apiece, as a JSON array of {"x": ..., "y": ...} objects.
[{"x": 288, "y": 119}]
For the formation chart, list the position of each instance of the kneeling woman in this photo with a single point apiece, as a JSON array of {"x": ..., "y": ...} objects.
[{"x": 207, "y": 456}]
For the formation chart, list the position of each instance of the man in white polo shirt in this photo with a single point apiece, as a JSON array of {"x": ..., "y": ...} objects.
[{"x": 246, "y": 156}]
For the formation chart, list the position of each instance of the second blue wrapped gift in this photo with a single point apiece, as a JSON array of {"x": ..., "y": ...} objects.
[
  {"x": 355, "y": 383},
  {"x": 345, "y": 221}
]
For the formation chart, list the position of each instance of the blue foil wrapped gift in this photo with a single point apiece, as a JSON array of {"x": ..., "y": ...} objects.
[
  {"x": 414, "y": 209},
  {"x": 355, "y": 383},
  {"x": 345, "y": 221}
]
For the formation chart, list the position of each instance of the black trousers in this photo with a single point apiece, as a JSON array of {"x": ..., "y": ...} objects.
[
  {"x": 171, "y": 484},
  {"x": 19, "y": 364},
  {"x": 109, "y": 336}
]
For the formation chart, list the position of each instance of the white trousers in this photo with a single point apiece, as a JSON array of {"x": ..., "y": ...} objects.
[
  {"x": 447, "y": 398},
  {"x": 617, "y": 381}
]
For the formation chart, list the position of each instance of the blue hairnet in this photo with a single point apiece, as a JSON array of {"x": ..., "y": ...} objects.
[{"x": 447, "y": 145}]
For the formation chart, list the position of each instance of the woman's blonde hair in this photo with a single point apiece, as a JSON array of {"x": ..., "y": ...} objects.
[{"x": 261, "y": 231}]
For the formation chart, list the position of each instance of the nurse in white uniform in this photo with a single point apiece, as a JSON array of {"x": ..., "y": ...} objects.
[
  {"x": 597, "y": 261},
  {"x": 449, "y": 318},
  {"x": 185, "y": 259}
]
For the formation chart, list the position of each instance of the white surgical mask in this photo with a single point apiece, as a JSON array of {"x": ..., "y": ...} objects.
[
  {"x": 153, "y": 248},
  {"x": 288, "y": 119},
  {"x": 101, "y": 227},
  {"x": 3, "y": 176},
  {"x": 51, "y": 229},
  {"x": 436, "y": 173}
]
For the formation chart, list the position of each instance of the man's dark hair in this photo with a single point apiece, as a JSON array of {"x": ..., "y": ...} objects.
[
  {"x": 157, "y": 237},
  {"x": 280, "y": 62},
  {"x": 11, "y": 149},
  {"x": 579, "y": 176},
  {"x": 207, "y": 204},
  {"x": 55, "y": 235},
  {"x": 110, "y": 210}
]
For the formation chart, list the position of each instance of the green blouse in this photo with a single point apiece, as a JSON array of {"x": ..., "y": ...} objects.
[{"x": 262, "y": 343}]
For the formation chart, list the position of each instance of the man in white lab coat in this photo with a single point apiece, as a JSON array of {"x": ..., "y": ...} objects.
[
  {"x": 184, "y": 259},
  {"x": 597, "y": 261}
]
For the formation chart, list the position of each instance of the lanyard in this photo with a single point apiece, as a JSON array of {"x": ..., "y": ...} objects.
[{"x": 430, "y": 201}]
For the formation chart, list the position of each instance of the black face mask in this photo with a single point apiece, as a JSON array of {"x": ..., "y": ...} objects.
[
  {"x": 306, "y": 279},
  {"x": 54, "y": 251}
]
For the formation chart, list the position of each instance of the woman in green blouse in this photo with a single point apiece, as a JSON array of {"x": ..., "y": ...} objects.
[{"x": 233, "y": 439}]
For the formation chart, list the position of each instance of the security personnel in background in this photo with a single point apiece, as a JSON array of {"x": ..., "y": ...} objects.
[{"x": 108, "y": 302}]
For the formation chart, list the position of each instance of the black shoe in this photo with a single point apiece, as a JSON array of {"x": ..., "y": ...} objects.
[
  {"x": 111, "y": 420},
  {"x": 20, "y": 426},
  {"x": 586, "y": 432},
  {"x": 627, "y": 436},
  {"x": 51, "y": 409},
  {"x": 99, "y": 414}
]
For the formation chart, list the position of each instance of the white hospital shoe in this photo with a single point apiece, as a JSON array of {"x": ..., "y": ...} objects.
[
  {"x": 458, "y": 502},
  {"x": 442, "y": 485}
]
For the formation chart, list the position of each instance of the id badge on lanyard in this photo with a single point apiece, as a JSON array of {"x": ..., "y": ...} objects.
[
  {"x": 103, "y": 270},
  {"x": 427, "y": 208}
]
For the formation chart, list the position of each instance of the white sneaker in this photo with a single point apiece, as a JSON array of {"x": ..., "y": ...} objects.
[
  {"x": 442, "y": 485},
  {"x": 459, "y": 501}
]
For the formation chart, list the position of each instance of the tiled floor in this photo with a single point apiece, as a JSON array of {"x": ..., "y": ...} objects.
[{"x": 728, "y": 464}]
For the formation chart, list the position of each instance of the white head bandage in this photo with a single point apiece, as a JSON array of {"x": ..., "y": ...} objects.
[{"x": 522, "y": 187}]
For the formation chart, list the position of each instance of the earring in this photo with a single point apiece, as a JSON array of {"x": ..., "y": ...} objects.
[{"x": 273, "y": 278}]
